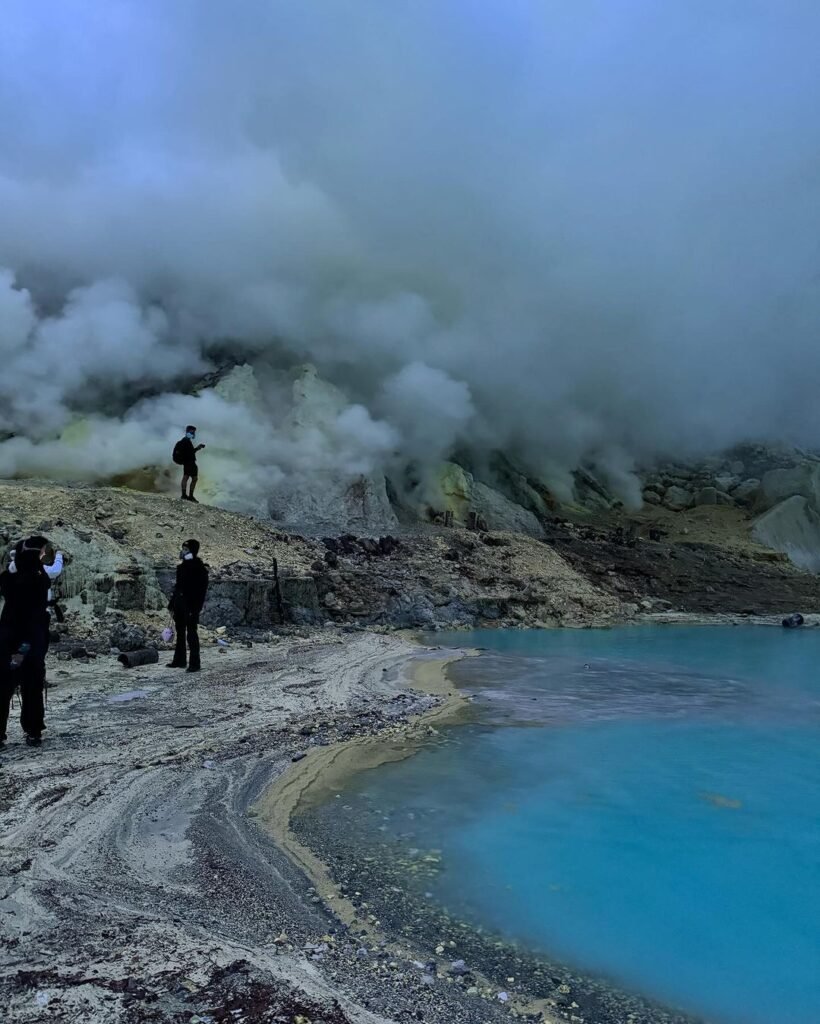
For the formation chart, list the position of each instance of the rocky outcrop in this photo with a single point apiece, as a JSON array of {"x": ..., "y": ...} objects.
[
  {"x": 778, "y": 484},
  {"x": 793, "y": 527},
  {"x": 461, "y": 494},
  {"x": 326, "y": 499},
  {"x": 360, "y": 505},
  {"x": 454, "y": 578},
  {"x": 121, "y": 552},
  {"x": 499, "y": 513},
  {"x": 677, "y": 498}
]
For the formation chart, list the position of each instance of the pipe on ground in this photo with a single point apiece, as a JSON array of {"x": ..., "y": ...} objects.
[{"x": 145, "y": 656}]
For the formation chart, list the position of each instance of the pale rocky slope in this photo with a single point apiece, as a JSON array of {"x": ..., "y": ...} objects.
[
  {"x": 588, "y": 569},
  {"x": 313, "y": 485},
  {"x": 122, "y": 547}
]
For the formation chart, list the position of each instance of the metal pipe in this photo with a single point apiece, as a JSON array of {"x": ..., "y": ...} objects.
[{"x": 145, "y": 656}]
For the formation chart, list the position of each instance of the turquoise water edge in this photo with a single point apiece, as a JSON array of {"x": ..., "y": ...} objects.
[{"x": 642, "y": 803}]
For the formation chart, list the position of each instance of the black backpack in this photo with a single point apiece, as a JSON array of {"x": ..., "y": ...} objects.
[{"x": 179, "y": 453}]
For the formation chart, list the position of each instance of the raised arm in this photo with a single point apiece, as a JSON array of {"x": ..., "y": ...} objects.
[{"x": 54, "y": 570}]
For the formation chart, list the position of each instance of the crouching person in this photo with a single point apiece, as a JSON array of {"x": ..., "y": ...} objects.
[
  {"x": 24, "y": 638},
  {"x": 186, "y": 604}
]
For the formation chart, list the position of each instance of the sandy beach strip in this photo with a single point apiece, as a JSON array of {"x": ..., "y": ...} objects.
[{"x": 324, "y": 770}]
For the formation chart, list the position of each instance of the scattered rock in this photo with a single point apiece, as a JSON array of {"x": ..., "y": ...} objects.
[
  {"x": 712, "y": 496},
  {"x": 792, "y": 527},
  {"x": 746, "y": 492},
  {"x": 677, "y": 498},
  {"x": 126, "y": 636}
]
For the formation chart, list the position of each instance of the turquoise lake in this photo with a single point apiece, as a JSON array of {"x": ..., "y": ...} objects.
[{"x": 642, "y": 803}]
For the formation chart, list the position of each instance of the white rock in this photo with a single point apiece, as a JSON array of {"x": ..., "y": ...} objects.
[
  {"x": 792, "y": 527},
  {"x": 330, "y": 499},
  {"x": 779, "y": 484}
]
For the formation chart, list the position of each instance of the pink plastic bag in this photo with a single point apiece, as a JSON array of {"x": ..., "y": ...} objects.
[{"x": 167, "y": 634}]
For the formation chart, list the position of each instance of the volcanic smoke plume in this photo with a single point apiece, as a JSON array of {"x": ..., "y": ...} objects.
[{"x": 569, "y": 231}]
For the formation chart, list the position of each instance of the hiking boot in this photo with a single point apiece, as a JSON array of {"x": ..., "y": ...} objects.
[
  {"x": 184, "y": 497},
  {"x": 33, "y": 741},
  {"x": 193, "y": 499},
  {"x": 176, "y": 664},
  {"x": 193, "y": 668}
]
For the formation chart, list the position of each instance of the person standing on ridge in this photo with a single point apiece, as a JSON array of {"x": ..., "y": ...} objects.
[
  {"x": 185, "y": 455},
  {"x": 24, "y": 638},
  {"x": 186, "y": 604}
]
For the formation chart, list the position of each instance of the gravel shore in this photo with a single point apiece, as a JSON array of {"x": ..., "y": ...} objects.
[{"x": 136, "y": 882}]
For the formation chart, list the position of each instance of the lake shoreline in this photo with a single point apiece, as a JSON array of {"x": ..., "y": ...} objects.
[{"x": 542, "y": 990}]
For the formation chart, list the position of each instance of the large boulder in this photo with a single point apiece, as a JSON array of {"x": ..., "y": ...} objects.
[
  {"x": 712, "y": 496},
  {"x": 792, "y": 527},
  {"x": 677, "y": 498},
  {"x": 779, "y": 484},
  {"x": 500, "y": 513},
  {"x": 726, "y": 482},
  {"x": 746, "y": 492}
]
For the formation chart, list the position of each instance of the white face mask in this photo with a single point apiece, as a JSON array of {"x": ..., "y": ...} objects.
[{"x": 187, "y": 555}]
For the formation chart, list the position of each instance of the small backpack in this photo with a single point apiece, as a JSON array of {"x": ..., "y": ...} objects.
[{"x": 179, "y": 453}]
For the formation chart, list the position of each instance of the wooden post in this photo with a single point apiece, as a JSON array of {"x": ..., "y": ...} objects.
[{"x": 278, "y": 593}]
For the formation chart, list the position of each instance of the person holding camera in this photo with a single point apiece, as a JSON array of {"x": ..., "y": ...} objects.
[{"x": 24, "y": 624}]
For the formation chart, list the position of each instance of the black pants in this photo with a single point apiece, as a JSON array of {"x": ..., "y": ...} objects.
[
  {"x": 30, "y": 677},
  {"x": 185, "y": 626}
]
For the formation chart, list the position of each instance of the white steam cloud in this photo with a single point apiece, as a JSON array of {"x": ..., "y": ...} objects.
[{"x": 571, "y": 231}]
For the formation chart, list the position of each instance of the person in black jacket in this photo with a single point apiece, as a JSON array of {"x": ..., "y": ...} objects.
[
  {"x": 24, "y": 638},
  {"x": 185, "y": 456},
  {"x": 186, "y": 604}
]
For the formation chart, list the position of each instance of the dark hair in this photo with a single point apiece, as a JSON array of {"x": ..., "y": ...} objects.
[
  {"x": 36, "y": 543},
  {"x": 189, "y": 428},
  {"x": 192, "y": 546},
  {"x": 27, "y": 557}
]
